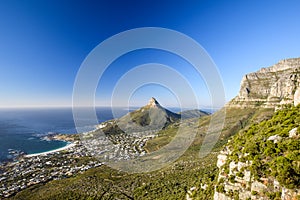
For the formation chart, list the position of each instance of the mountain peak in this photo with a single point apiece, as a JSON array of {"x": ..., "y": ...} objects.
[
  {"x": 149, "y": 117},
  {"x": 153, "y": 102}
]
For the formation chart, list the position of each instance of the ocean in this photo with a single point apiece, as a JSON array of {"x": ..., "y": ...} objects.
[{"x": 23, "y": 129}]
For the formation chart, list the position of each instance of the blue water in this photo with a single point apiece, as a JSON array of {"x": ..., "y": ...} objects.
[{"x": 23, "y": 129}]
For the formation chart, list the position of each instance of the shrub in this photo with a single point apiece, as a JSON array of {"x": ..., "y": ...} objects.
[
  {"x": 220, "y": 188},
  {"x": 240, "y": 174}
]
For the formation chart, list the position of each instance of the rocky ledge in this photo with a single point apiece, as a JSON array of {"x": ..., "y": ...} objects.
[
  {"x": 262, "y": 161},
  {"x": 270, "y": 87},
  {"x": 235, "y": 181}
]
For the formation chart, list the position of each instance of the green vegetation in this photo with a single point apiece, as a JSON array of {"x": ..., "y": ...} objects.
[
  {"x": 112, "y": 128},
  {"x": 274, "y": 195},
  {"x": 106, "y": 183},
  {"x": 172, "y": 182},
  {"x": 278, "y": 157},
  {"x": 164, "y": 137},
  {"x": 140, "y": 117}
]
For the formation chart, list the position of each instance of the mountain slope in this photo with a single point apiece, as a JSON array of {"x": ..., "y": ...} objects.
[
  {"x": 193, "y": 114},
  {"x": 190, "y": 176},
  {"x": 248, "y": 163},
  {"x": 152, "y": 115},
  {"x": 171, "y": 182},
  {"x": 263, "y": 161},
  {"x": 149, "y": 117}
]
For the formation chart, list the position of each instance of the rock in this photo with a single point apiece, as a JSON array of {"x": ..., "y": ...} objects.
[
  {"x": 287, "y": 194},
  {"x": 297, "y": 96},
  {"x": 275, "y": 138},
  {"x": 102, "y": 125},
  {"x": 240, "y": 165},
  {"x": 192, "y": 188},
  {"x": 153, "y": 102},
  {"x": 270, "y": 87},
  {"x": 221, "y": 160},
  {"x": 247, "y": 175},
  {"x": 232, "y": 167},
  {"x": 189, "y": 192},
  {"x": 220, "y": 196},
  {"x": 276, "y": 185},
  {"x": 203, "y": 186},
  {"x": 293, "y": 132},
  {"x": 258, "y": 187},
  {"x": 245, "y": 195}
]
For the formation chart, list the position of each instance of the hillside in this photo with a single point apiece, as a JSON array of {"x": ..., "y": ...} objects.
[
  {"x": 263, "y": 160},
  {"x": 260, "y": 160},
  {"x": 188, "y": 175},
  {"x": 193, "y": 114},
  {"x": 149, "y": 117}
]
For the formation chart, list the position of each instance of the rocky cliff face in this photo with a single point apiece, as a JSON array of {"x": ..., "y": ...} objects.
[
  {"x": 236, "y": 181},
  {"x": 257, "y": 162},
  {"x": 262, "y": 161},
  {"x": 270, "y": 87}
]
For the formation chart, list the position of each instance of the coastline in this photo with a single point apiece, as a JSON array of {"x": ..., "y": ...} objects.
[{"x": 52, "y": 151}]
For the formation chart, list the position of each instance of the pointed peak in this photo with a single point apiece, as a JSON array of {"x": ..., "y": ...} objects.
[{"x": 153, "y": 102}]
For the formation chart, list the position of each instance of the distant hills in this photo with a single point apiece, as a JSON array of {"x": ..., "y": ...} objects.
[
  {"x": 255, "y": 157},
  {"x": 152, "y": 115},
  {"x": 149, "y": 117},
  {"x": 193, "y": 114}
]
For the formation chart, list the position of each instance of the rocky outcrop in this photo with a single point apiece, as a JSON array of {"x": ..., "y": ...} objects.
[
  {"x": 262, "y": 161},
  {"x": 297, "y": 96},
  {"x": 153, "y": 103},
  {"x": 243, "y": 169},
  {"x": 270, "y": 87},
  {"x": 235, "y": 181}
]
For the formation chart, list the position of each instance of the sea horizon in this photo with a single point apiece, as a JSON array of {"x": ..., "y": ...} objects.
[{"x": 25, "y": 129}]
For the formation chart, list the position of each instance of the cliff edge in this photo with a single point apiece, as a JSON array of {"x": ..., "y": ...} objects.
[{"x": 270, "y": 87}]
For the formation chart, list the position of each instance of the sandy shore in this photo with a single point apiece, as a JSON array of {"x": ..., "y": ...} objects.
[{"x": 52, "y": 151}]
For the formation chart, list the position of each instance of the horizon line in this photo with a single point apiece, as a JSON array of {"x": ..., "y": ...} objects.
[{"x": 104, "y": 106}]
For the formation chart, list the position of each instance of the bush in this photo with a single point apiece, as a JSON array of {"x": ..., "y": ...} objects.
[
  {"x": 240, "y": 174},
  {"x": 220, "y": 188},
  {"x": 281, "y": 157},
  {"x": 232, "y": 179}
]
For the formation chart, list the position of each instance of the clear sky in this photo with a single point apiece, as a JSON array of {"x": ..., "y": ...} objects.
[{"x": 43, "y": 43}]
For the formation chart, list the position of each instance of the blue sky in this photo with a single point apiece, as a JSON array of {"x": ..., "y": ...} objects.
[{"x": 43, "y": 43}]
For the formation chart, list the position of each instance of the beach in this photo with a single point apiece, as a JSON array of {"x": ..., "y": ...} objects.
[{"x": 52, "y": 151}]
